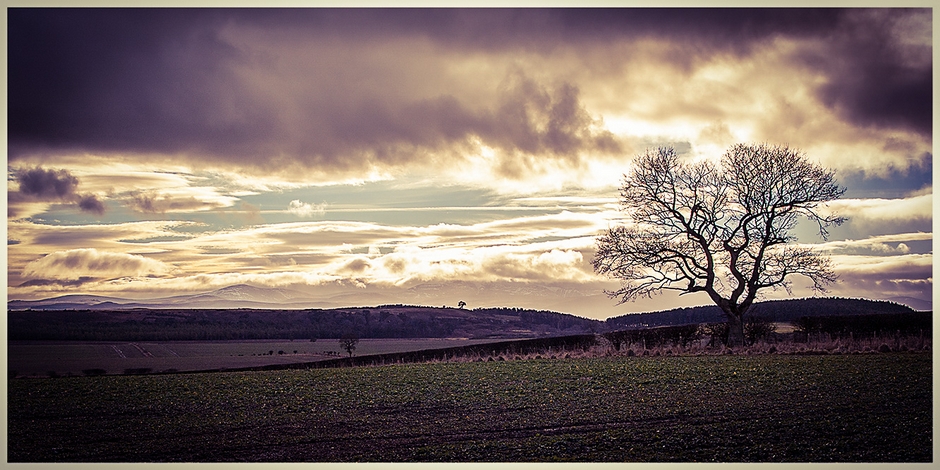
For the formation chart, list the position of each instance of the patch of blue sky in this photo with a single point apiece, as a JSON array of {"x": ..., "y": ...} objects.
[
  {"x": 379, "y": 194},
  {"x": 401, "y": 203},
  {"x": 413, "y": 216},
  {"x": 894, "y": 184},
  {"x": 165, "y": 238},
  {"x": 68, "y": 214}
]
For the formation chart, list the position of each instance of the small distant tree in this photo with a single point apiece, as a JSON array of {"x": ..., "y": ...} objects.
[
  {"x": 461, "y": 304},
  {"x": 719, "y": 229},
  {"x": 348, "y": 342}
]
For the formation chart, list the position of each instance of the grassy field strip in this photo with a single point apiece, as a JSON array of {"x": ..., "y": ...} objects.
[
  {"x": 63, "y": 358},
  {"x": 835, "y": 408}
]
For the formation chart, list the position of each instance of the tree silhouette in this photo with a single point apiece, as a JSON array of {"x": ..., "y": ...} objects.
[
  {"x": 461, "y": 304},
  {"x": 720, "y": 229},
  {"x": 349, "y": 342}
]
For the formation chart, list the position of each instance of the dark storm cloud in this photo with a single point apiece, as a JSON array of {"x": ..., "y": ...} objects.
[
  {"x": 164, "y": 81},
  {"x": 116, "y": 79},
  {"x": 47, "y": 184},
  {"x": 171, "y": 81},
  {"x": 508, "y": 28},
  {"x": 877, "y": 80},
  {"x": 53, "y": 185}
]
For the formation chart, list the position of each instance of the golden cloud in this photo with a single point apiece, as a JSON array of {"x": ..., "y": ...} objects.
[{"x": 90, "y": 263}]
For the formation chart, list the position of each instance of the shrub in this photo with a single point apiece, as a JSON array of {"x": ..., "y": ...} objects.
[
  {"x": 717, "y": 332},
  {"x": 807, "y": 325},
  {"x": 758, "y": 329},
  {"x": 616, "y": 338}
]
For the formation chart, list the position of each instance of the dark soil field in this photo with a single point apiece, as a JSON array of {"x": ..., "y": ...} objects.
[{"x": 766, "y": 408}]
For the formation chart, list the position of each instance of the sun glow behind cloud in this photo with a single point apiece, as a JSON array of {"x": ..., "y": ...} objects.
[{"x": 359, "y": 149}]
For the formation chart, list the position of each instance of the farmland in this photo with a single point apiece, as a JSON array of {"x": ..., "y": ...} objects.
[
  {"x": 773, "y": 408},
  {"x": 64, "y": 358}
]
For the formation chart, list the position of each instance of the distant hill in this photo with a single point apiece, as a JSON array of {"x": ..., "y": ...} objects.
[
  {"x": 235, "y": 296},
  {"x": 123, "y": 323},
  {"x": 915, "y": 303},
  {"x": 390, "y": 321},
  {"x": 331, "y": 296},
  {"x": 328, "y": 296}
]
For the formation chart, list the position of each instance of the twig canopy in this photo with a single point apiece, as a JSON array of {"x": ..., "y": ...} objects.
[{"x": 720, "y": 229}]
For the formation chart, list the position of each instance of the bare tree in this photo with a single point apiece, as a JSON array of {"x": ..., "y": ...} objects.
[
  {"x": 720, "y": 229},
  {"x": 349, "y": 342}
]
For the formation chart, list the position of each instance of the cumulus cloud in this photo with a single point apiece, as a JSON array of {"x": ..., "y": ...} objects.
[
  {"x": 557, "y": 265},
  {"x": 90, "y": 263},
  {"x": 355, "y": 266},
  {"x": 303, "y": 209},
  {"x": 90, "y": 203}
]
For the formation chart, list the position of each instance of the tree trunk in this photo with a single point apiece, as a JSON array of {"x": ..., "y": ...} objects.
[{"x": 735, "y": 330}]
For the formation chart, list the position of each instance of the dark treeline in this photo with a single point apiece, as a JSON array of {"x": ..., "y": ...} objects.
[
  {"x": 242, "y": 324},
  {"x": 784, "y": 311},
  {"x": 841, "y": 326},
  {"x": 654, "y": 337},
  {"x": 389, "y": 321}
]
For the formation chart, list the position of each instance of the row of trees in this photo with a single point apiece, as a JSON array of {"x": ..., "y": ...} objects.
[
  {"x": 684, "y": 335},
  {"x": 784, "y": 311},
  {"x": 758, "y": 329},
  {"x": 208, "y": 325}
]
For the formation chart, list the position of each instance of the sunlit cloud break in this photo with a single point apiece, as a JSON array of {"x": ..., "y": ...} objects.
[{"x": 342, "y": 150}]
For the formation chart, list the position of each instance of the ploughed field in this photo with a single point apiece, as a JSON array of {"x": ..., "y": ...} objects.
[{"x": 767, "y": 408}]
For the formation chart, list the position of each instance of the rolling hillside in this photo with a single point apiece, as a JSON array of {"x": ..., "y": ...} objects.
[{"x": 386, "y": 321}]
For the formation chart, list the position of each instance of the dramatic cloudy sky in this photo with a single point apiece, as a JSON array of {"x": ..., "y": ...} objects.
[{"x": 430, "y": 156}]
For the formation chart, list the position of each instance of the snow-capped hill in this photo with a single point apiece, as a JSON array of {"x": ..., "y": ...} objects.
[
  {"x": 253, "y": 294},
  {"x": 236, "y": 296}
]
